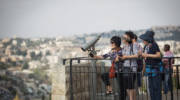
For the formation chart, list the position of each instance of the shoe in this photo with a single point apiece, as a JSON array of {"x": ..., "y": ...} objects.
[{"x": 109, "y": 92}]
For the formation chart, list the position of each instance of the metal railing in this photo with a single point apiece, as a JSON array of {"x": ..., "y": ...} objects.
[{"x": 85, "y": 81}]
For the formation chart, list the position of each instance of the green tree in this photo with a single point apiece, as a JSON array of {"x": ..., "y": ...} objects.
[
  {"x": 25, "y": 65},
  {"x": 33, "y": 55}
]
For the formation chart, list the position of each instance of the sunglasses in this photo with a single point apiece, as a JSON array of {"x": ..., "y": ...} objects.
[{"x": 112, "y": 42}]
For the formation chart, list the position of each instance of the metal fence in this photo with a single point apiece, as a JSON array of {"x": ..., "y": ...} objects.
[{"x": 86, "y": 81}]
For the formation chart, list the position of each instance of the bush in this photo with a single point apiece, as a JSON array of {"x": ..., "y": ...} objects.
[
  {"x": 39, "y": 74},
  {"x": 25, "y": 65}
]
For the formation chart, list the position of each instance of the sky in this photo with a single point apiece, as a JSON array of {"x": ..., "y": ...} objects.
[{"x": 51, "y": 18}]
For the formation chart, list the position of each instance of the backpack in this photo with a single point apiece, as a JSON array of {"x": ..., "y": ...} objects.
[{"x": 153, "y": 71}]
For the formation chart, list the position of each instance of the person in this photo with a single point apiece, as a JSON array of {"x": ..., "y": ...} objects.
[
  {"x": 167, "y": 62},
  {"x": 113, "y": 54},
  {"x": 153, "y": 67},
  {"x": 130, "y": 55}
]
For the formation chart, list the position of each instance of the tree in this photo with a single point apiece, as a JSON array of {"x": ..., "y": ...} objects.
[
  {"x": 48, "y": 53},
  {"x": 25, "y": 65},
  {"x": 33, "y": 55}
]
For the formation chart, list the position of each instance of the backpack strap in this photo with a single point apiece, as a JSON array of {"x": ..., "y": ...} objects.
[{"x": 131, "y": 52}]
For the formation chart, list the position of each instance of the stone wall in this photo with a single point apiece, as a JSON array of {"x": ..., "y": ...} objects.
[{"x": 82, "y": 81}]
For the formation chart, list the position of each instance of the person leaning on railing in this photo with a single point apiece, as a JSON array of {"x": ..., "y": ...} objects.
[
  {"x": 113, "y": 54},
  {"x": 152, "y": 57},
  {"x": 130, "y": 55}
]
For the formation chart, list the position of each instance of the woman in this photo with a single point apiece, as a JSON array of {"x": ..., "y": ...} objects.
[
  {"x": 113, "y": 55},
  {"x": 130, "y": 55},
  {"x": 153, "y": 66}
]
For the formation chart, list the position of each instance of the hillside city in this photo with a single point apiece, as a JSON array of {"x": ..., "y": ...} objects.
[{"x": 30, "y": 61}]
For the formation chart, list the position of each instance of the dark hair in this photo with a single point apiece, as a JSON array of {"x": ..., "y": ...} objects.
[
  {"x": 166, "y": 47},
  {"x": 130, "y": 34},
  {"x": 135, "y": 37},
  {"x": 116, "y": 40}
]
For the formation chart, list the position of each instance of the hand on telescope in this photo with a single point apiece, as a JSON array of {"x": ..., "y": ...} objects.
[{"x": 91, "y": 55}]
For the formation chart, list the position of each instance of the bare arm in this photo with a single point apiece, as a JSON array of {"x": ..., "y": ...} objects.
[
  {"x": 132, "y": 56},
  {"x": 98, "y": 57},
  {"x": 157, "y": 55},
  {"x": 129, "y": 57},
  {"x": 144, "y": 67}
]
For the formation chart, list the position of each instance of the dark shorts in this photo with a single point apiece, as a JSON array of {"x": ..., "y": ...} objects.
[{"x": 129, "y": 80}]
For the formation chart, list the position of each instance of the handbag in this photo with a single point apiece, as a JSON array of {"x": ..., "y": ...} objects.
[{"x": 112, "y": 71}]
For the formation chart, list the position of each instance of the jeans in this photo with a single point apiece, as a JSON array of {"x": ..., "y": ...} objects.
[
  {"x": 139, "y": 77},
  {"x": 166, "y": 82},
  {"x": 155, "y": 87}
]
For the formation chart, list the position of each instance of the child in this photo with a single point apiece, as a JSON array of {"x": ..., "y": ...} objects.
[{"x": 167, "y": 62}]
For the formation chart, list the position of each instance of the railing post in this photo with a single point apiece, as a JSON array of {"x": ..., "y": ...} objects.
[
  {"x": 94, "y": 83},
  {"x": 171, "y": 81},
  {"x": 177, "y": 77},
  {"x": 71, "y": 81},
  {"x": 79, "y": 61},
  {"x": 64, "y": 61}
]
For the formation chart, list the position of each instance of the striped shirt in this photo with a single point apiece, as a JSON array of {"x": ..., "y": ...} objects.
[{"x": 112, "y": 55}]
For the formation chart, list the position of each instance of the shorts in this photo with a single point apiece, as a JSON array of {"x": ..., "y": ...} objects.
[
  {"x": 129, "y": 78},
  {"x": 129, "y": 81}
]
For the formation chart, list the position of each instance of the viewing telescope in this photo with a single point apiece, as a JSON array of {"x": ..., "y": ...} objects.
[{"x": 90, "y": 46}]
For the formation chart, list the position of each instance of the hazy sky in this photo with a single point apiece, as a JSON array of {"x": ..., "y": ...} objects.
[{"x": 49, "y": 18}]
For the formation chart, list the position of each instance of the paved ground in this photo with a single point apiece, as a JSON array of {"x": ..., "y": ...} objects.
[{"x": 102, "y": 96}]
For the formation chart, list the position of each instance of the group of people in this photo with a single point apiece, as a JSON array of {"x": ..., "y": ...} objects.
[{"x": 127, "y": 63}]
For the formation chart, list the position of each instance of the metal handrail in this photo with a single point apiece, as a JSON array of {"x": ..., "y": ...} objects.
[
  {"x": 92, "y": 59},
  {"x": 89, "y": 58}
]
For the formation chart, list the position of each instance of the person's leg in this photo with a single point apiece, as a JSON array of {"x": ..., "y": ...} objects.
[
  {"x": 109, "y": 88},
  {"x": 155, "y": 87},
  {"x": 139, "y": 79},
  {"x": 128, "y": 93},
  {"x": 106, "y": 80},
  {"x": 132, "y": 94},
  {"x": 166, "y": 81},
  {"x": 133, "y": 87},
  {"x": 158, "y": 87},
  {"x": 122, "y": 87},
  {"x": 170, "y": 84},
  {"x": 151, "y": 90}
]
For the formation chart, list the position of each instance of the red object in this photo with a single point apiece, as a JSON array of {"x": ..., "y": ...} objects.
[{"x": 112, "y": 71}]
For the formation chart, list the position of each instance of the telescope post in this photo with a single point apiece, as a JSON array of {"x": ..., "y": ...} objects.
[{"x": 93, "y": 77}]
